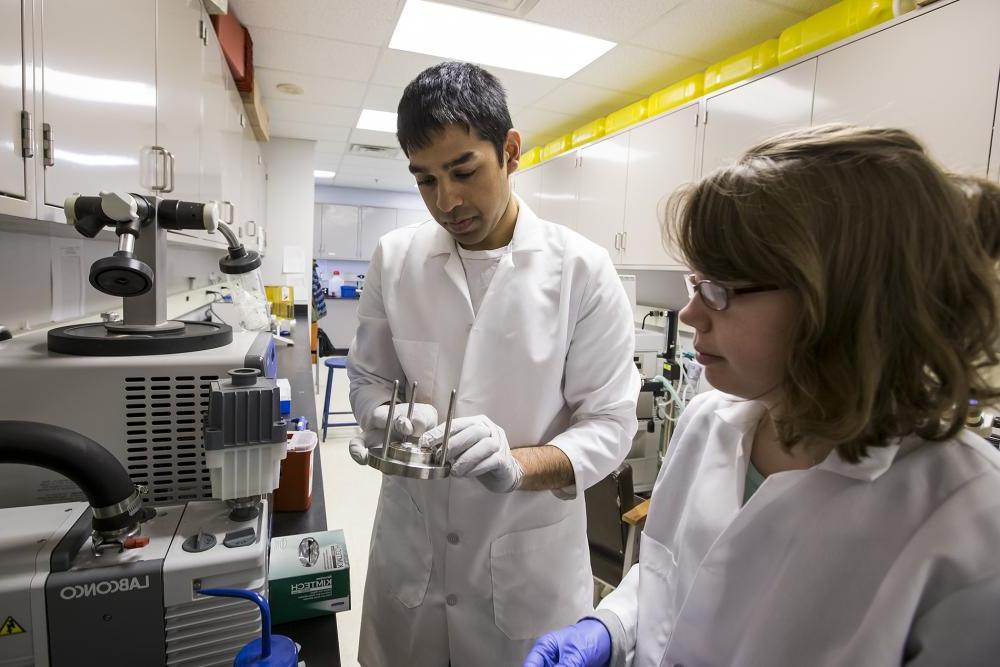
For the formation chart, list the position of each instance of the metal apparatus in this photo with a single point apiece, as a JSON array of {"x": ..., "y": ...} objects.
[
  {"x": 406, "y": 457},
  {"x": 113, "y": 574}
]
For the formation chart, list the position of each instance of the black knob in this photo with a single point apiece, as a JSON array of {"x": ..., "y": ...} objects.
[{"x": 121, "y": 275}]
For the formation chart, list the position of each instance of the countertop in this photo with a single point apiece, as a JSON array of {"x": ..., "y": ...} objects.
[{"x": 317, "y": 636}]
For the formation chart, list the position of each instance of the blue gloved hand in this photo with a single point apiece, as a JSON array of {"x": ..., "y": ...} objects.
[{"x": 586, "y": 644}]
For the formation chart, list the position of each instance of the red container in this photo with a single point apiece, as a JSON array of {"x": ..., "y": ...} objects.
[{"x": 294, "y": 492}]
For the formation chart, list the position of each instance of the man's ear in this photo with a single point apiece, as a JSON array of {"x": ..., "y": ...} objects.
[{"x": 512, "y": 150}]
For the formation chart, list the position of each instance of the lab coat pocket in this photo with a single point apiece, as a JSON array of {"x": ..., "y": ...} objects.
[
  {"x": 419, "y": 360},
  {"x": 541, "y": 581},
  {"x": 401, "y": 550},
  {"x": 657, "y": 584}
]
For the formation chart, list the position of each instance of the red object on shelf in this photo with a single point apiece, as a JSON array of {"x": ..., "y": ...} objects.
[{"x": 237, "y": 47}]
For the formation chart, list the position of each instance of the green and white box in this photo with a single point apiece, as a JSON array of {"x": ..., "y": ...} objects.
[{"x": 309, "y": 576}]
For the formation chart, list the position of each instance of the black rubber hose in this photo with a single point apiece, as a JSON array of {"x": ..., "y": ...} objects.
[{"x": 99, "y": 475}]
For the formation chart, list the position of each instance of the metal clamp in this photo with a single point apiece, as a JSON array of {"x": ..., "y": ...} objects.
[
  {"x": 128, "y": 506},
  {"x": 407, "y": 458}
]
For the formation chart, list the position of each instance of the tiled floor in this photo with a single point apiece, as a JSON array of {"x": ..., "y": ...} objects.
[{"x": 351, "y": 496}]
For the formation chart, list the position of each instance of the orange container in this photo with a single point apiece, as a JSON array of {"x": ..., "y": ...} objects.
[{"x": 294, "y": 492}]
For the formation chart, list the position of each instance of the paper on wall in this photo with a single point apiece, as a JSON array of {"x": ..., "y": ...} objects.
[
  {"x": 68, "y": 279},
  {"x": 293, "y": 259}
]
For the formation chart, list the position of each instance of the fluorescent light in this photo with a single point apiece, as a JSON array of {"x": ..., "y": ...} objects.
[
  {"x": 380, "y": 121},
  {"x": 319, "y": 173},
  {"x": 499, "y": 41}
]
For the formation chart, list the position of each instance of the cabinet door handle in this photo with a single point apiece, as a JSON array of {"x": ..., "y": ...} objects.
[
  {"x": 170, "y": 172},
  {"x": 160, "y": 158},
  {"x": 617, "y": 236},
  {"x": 624, "y": 240},
  {"x": 48, "y": 146}
]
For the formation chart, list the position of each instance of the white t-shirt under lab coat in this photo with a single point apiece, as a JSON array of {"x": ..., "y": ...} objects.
[
  {"x": 480, "y": 266},
  {"x": 894, "y": 560}
]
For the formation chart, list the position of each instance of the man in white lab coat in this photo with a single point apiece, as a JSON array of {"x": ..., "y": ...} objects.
[{"x": 529, "y": 322}]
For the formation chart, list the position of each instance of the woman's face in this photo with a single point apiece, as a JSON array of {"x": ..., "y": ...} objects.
[{"x": 743, "y": 348}]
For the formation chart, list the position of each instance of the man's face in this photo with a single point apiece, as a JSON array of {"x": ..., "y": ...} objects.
[{"x": 464, "y": 186}]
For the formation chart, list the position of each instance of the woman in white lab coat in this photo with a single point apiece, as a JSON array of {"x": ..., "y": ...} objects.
[{"x": 825, "y": 505}]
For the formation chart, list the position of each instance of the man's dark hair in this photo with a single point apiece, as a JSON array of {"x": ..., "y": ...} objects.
[{"x": 453, "y": 93}]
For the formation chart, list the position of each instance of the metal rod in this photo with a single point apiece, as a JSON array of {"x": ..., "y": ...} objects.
[
  {"x": 413, "y": 399},
  {"x": 447, "y": 428},
  {"x": 388, "y": 421}
]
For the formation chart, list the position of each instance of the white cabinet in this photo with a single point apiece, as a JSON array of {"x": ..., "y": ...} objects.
[
  {"x": 935, "y": 75},
  {"x": 739, "y": 118},
  {"x": 214, "y": 119},
  {"x": 600, "y": 210},
  {"x": 339, "y": 232},
  {"x": 253, "y": 188},
  {"x": 375, "y": 222},
  {"x": 528, "y": 185},
  {"x": 98, "y": 95},
  {"x": 16, "y": 97},
  {"x": 318, "y": 231},
  {"x": 558, "y": 195},
  {"x": 406, "y": 217},
  {"x": 179, "y": 26},
  {"x": 661, "y": 158}
]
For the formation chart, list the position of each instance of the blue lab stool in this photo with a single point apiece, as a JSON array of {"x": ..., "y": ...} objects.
[{"x": 331, "y": 363}]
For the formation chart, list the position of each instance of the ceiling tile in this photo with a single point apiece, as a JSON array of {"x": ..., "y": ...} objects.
[
  {"x": 710, "y": 30},
  {"x": 364, "y": 21},
  {"x": 398, "y": 68},
  {"x": 373, "y": 138},
  {"x": 295, "y": 52},
  {"x": 805, "y": 7},
  {"x": 539, "y": 126},
  {"x": 580, "y": 99},
  {"x": 637, "y": 70},
  {"x": 318, "y": 89},
  {"x": 525, "y": 89},
  {"x": 336, "y": 147},
  {"x": 615, "y": 21},
  {"x": 382, "y": 98},
  {"x": 285, "y": 128},
  {"x": 320, "y": 114}
]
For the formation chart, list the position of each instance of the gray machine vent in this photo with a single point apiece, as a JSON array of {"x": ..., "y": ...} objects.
[
  {"x": 164, "y": 436},
  {"x": 210, "y": 631},
  {"x": 373, "y": 151}
]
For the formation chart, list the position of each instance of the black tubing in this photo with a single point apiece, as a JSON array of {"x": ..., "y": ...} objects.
[{"x": 99, "y": 475}]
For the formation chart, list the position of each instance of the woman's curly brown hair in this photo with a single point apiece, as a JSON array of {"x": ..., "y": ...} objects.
[{"x": 894, "y": 263}]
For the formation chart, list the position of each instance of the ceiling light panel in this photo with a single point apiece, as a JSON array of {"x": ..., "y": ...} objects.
[
  {"x": 498, "y": 41},
  {"x": 380, "y": 121},
  {"x": 320, "y": 173}
]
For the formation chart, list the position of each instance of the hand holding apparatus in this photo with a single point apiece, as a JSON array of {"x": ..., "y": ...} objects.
[{"x": 478, "y": 448}]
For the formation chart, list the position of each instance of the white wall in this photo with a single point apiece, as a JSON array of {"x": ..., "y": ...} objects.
[
  {"x": 332, "y": 194},
  {"x": 290, "y": 200},
  {"x": 26, "y": 272}
]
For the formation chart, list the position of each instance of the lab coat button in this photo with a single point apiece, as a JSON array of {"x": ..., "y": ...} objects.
[
  {"x": 452, "y": 600},
  {"x": 452, "y": 538}
]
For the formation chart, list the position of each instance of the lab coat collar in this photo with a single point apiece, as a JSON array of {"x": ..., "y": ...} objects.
[
  {"x": 744, "y": 415},
  {"x": 528, "y": 235}
]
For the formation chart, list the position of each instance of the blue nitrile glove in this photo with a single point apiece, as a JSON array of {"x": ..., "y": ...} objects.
[{"x": 585, "y": 644}]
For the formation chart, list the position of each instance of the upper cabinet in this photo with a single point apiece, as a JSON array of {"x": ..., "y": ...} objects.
[
  {"x": 935, "y": 75},
  {"x": 406, "y": 217},
  {"x": 600, "y": 208},
  {"x": 528, "y": 186},
  {"x": 16, "y": 109},
  {"x": 375, "y": 222},
  {"x": 339, "y": 226},
  {"x": 181, "y": 24},
  {"x": 559, "y": 188},
  {"x": 737, "y": 119},
  {"x": 661, "y": 158},
  {"x": 98, "y": 98}
]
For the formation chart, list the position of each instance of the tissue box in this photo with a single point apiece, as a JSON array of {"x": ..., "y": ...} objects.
[
  {"x": 284, "y": 396},
  {"x": 309, "y": 576}
]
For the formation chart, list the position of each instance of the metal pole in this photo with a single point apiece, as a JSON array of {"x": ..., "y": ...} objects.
[
  {"x": 388, "y": 421},
  {"x": 447, "y": 428}
]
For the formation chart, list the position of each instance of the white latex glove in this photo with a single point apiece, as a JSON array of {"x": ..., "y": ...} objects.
[
  {"x": 358, "y": 446},
  {"x": 424, "y": 417},
  {"x": 478, "y": 448}
]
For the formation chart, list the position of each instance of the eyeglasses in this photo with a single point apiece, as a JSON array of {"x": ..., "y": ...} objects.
[{"x": 717, "y": 296}]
